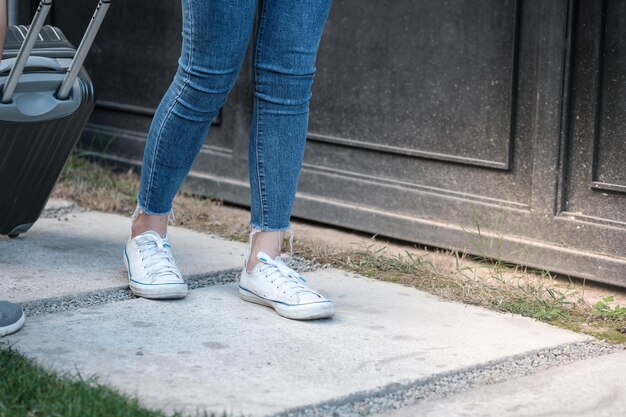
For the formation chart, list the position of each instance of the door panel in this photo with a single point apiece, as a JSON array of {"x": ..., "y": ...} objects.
[
  {"x": 596, "y": 177},
  {"x": 610, "y": 150},
  {"x": 439, "y": 85}
]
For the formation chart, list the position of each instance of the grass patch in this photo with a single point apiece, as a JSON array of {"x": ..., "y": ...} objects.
[
  {"x": 475, "y": 280},
  {"x": 27, "y": 390}
]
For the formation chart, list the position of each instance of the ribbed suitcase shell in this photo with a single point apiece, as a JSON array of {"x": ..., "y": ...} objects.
[{"x": 32, "y": 155}]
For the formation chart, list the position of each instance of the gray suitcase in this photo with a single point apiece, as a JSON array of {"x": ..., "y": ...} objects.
[{"x": 46, "y": 100}]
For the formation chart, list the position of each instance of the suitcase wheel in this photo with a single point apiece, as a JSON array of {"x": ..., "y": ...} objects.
[{"x": 19, "y": 230}]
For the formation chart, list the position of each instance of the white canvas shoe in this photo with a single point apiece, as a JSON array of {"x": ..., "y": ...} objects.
[
  {"x": 274, "y": 284},
  {"x": 152, "y": 271}
]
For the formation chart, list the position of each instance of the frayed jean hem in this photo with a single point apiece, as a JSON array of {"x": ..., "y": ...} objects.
[
  {"x": 140, "y": 210},
  {"x": 258, "y": 228}
]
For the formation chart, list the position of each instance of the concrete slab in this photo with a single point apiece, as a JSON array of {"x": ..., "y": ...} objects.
[
  {"x": 80, "y": 252},
  {"x": 214, "y": 351},
  {"x": 594, "y": 387}
]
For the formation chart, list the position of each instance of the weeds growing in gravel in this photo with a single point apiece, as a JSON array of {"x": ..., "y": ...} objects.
[{"x": 604, "y": 309}]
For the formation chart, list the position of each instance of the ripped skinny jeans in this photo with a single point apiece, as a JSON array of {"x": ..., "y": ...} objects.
[{"x": 216, "y": 35}]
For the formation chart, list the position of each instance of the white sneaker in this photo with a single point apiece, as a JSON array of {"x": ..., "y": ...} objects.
[
  {"x": 152, "y": 271},
  {"x": 274, "y": 284}
]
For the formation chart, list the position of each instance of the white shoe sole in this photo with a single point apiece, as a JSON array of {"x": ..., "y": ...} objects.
[
  {"x": 13, "y": 327},
  {"x": 310, "y": 311},
  {"x": 159, "y": 291}
]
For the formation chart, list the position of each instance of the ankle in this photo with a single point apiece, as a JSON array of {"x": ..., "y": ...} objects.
[
  {"x": 268, "y": 242},
  {"x": 145, "y": 222}
]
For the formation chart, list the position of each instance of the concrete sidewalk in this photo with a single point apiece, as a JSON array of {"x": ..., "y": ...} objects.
[{"x": 212, "y": 351}]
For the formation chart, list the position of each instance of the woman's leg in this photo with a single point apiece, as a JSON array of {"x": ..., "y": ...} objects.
[
  {"x": 216, "y": 34},
  {"x": 287, "y": 41}
]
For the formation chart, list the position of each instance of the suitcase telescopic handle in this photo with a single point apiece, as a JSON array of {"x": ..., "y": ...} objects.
[
  {"x": 29, "y": 42},
  {"x": 25, "y": 50},
  {"x": 83, "y": 49}
]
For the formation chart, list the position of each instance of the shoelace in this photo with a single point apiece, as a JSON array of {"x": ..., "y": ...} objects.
[
  {"x": 157, "y": 257},
  {"x": 286, "y": 278}
]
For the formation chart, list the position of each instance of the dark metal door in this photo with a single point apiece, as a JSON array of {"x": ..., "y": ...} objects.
[{"x": 429, "y": 119}]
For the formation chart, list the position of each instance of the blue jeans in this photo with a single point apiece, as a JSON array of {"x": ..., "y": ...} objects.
[{"x": 216, "y": 34}]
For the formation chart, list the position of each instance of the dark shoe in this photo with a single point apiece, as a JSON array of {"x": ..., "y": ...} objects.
[{"x": 11, "y": 318}]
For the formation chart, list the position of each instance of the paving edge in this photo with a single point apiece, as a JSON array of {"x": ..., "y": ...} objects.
[
  {"x": 396, "y": 396},
  {"x": 93, "y": 298}
]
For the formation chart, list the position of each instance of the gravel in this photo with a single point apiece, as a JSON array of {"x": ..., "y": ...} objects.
[
  {"x": 304, "y": 265},
  {"x": 73, "y": 302},
  {"x": 60, "y": 209},
  {"x": 206, "y": 280},
  {"x": 401, "y": 395}
]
